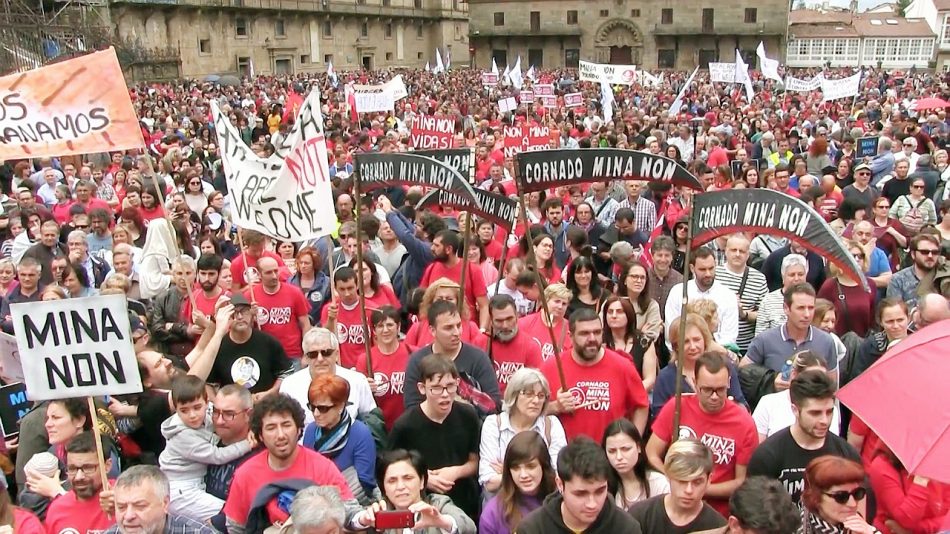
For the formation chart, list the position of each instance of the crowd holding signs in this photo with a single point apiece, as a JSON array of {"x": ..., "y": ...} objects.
[{"x": 423, "y": 293}]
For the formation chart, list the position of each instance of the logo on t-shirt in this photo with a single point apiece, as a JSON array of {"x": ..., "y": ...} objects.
[
  {"x": 593, "y": 395},
  {"x": 350, "y": 334},
  {"x": 504, "y": 370},
  {"x": 274, "y": 316},
  {"x": 252, "y": 275},
  {"x": 723, "y": 449},
  {"x": 389, "y": 383},
  {"x": 245, "y": 372}
]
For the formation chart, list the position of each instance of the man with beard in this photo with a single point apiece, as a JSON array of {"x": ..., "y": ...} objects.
[
  {"x": 511, "y": 348},
  {"x": 77, "y": 511},
  {"x": 206, "y": 298},
  {"x": 924, "y": 250},
  {"x": 704, "y": 286},
  {"x": 447, "y": 264},
  {"x": 248, "y": 357},
  {"x": 277, "y": 423},
  {"x": 600, "y": 385},
  {"x": 785, "y": 454},
  {"x": 715, "y": 420},
  {"x": 282, "y": 310}
]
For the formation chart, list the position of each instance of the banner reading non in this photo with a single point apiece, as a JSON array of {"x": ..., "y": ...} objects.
[
  {"x": 76, "y": 347},
  {"x": 524, "y": 138},
  {"x": 13, "y": 406},
  {"x": 431, "y": 132}
]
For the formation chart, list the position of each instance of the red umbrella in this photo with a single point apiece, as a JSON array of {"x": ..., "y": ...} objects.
[
  {"x": 904, "y": 398},
  {"x": 930, "y": 103}
]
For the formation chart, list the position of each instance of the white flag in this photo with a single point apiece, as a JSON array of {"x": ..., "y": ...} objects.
[
  {"x": 250, "y": 68},
  {"x": 678, "y": 103},
  {"x": 448, "y": 59},
  {"x": 607, "y": 98},
  {"x": 494, "y": 66},
  {"x": 331, "y": 73},
  {"x": 517, "y": 80},
  {"x": 439, "y": 67},
  {"x": 428, "y": 69},
  {"x": 768, "y": 66},
  {"x": 530, "y": 74},
  {"x": 742, "y": 76}
]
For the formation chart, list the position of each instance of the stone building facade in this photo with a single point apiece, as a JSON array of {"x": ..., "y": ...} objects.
[
  {"x": 672, "y": 34},
  {"x": 295, "y": 36}
]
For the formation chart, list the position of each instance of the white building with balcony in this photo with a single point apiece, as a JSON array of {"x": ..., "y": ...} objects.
[{"x": 937, "y": 15}]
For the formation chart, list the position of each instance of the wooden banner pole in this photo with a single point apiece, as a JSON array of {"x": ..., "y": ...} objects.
[{"x": 681, "y": 335}]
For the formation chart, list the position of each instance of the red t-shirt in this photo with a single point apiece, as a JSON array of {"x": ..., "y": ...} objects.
[
  {"x": 474, "y": 287},
  {"x": 237, "y": 268},
  {"x": 204, "y": 304},
  {"x": 730, "y": 435},
  {"x": 830, "y": 203},
  {"x": 522, "y": 351},
  {"x": 349, "y": 330},
  {"x": 25, "y": 522},
  {"x": 493, "y": 249},
  {"x": 384, "y": 297},
  {"x": 69, "y": 515},
  {"x": 534, "y": 328},
  {"x": 157, "y": 212},
  {"x": 419, "y": 335},
  {"x": 279, "y": 315},
  {"x": 255, "y": 473},
  {"x": 389, "y": 371},
  {"x": 97, "y": 203},
  {"x": 612, "y": 387}
]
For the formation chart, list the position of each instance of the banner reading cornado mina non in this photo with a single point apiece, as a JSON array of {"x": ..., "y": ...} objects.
[{"x": 544, "y": 169}]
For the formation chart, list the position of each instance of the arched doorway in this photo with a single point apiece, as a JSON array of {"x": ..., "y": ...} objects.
[{"x": 619, "y": 42}]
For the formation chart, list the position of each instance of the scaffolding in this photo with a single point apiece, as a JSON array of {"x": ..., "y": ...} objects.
[{"x": 36, "y": 32}]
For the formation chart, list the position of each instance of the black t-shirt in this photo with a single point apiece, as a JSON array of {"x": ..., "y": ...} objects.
[
  {"x": 255, "y": 364},
  {"x": 781, "y": 458},
  {"x": 651, "y": 514},
  {"x": 153, "y": 409},
  {"x": 442, "y": 445},
  {"x": 895, "y": 189}
]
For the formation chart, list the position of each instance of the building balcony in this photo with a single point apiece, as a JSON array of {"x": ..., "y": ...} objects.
[
  {"x": 725, "y": 28},
  {"x": 327, "y": 7},
  {"x": 523, "y": 32}
]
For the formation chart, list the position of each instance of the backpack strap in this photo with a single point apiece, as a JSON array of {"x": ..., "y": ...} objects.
[{"x": 547, "y": 429}]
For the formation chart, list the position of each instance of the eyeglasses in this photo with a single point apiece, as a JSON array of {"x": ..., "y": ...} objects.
[
  {"x": 841, "y": 497},
  {"x": 322, "y": 408},
  {"x": 82, "y": 226},
  {"x": 325, "y": 353},
  {"x": 451, "y": 389},
  {"x": 225, "y": 416},
  {"x": 720, "y": 392},
  {"x": 927, "y": 251},
  {"x": 636, "y": 277},
  {"x": 917, "y": 187},
  {"x": 908, "y": 145},
  {"x": 883, "y": 206},
  {"x": 88, "y": 469},
  {"x": 540, "y": 395}
]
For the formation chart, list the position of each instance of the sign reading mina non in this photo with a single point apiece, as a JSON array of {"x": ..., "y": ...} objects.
[
  {"x": 545, "y": 169},
  {"x": 76, "y": 347},
  {"x": 496, "y": 208},
  {"x": 378, "y": 170}
]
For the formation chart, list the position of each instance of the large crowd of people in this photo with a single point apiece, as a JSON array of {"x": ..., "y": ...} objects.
[{"x": 538, "y": 399}]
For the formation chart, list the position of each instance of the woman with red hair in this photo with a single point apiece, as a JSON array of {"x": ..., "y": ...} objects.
[{"x": 833, "y": 498}]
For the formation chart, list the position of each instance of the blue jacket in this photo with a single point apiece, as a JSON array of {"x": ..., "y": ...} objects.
[
  {"x": 419, "y": 254},
  {"x": 358, "y": 453},
  {"x": 317, "y": 295}
]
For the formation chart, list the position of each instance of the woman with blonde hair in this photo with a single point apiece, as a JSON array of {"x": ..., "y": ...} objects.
[
  {"x": 854, "y": 306},
  {"x": 698, "y": 341},
  {"x": 709, "y": 311},
  {"x": 419, "y": 335},
  {"x": 8, "y": 279}
]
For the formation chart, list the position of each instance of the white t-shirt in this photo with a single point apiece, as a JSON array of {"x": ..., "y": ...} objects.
[
  {"x": 361, "y": 398},
  {"x": 774, "y": 413}
]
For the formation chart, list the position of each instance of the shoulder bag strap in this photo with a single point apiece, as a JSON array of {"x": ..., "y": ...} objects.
[
  {"x": 844, "y": 305},
  {"x": 745, "y": 278}
]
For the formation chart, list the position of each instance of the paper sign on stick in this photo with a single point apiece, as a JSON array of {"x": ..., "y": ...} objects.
[
  {"x": 77, "y": 106},
  {"x": 13, "y": 406},
  {"x": 11, "y": 370},
  {"x": 76, "y": 347}
]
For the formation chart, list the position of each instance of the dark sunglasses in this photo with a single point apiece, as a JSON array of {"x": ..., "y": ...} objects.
[
  {"x": 841, "y": 497},
  {"x": 324, "y": 408},
  {"x": 326, "y": 353},
  {"x": 927, "y": 252}
]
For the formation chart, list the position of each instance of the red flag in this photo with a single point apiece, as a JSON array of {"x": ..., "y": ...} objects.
[
  {"x": 292, "y": 106},
  {"x": 647, "y": 257}
]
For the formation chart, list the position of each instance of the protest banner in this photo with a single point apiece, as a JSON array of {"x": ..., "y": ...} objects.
[
  {"x": 763, "y": 211},
  {"x": 866, "y": 147},
  {"x": 613, "y": 74},
  {"x": 803, "y": 86},
  {"x": 11, "y": 370},
  {"x": 526, "y": 97},
  {"x": 396, "y": 86},
  {"x": 374, "y": 102},
  {"x": 722, "y": 72},
  {"x": 677, "y": 104},
  {"x": 489, "y": 79},
  {"x": 573, "y": 100},
  {"x": 286, "y": 196},
  {"x": 545, "y": 169},
  {"x": 13, "y": 406},
  {"x": 498, "y": 209},
  {"x": 378, "y": 170},
  {"x": 840, "y": 88},
  {"x": 76, "y": 347},
  {"x": 548, "y": 101},
  {"x": 525, "y": 138},
  {"x": 79, "y": 106},
  {"x": 460, "y": 159},
  {"x": 544, "y": 89},
  {"x": 431, "y": 132},
  {"x": 508, "y": 104}
]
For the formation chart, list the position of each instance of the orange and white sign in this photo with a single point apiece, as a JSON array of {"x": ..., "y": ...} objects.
[{"x": 78, "y": 106}]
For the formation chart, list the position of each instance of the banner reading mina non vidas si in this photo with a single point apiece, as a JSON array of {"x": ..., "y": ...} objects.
[
  {"x": 78, "y": 106},
  {"x": 286, "y": 196}
]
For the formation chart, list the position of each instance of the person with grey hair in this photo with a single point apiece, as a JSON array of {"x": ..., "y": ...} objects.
[
  {"x": 45, "y": 250},
  {"x": 141, "y": 497},
  {"x": 927, "y": 171},
  {"x": 771, "y": 313},
  {"x": 883, "y": 163},
  {"x": 317, "y": 510},
  {"x": 931, "y": 308},
  {"x": 231, "y": 417},
  {"x": 522, "y": 409},
  {"x": 909, "y": 152},
  {"x": 321, "y": 355},
  {"x": 172, "y": 333},
  {"x": 96, "y": 269}
]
